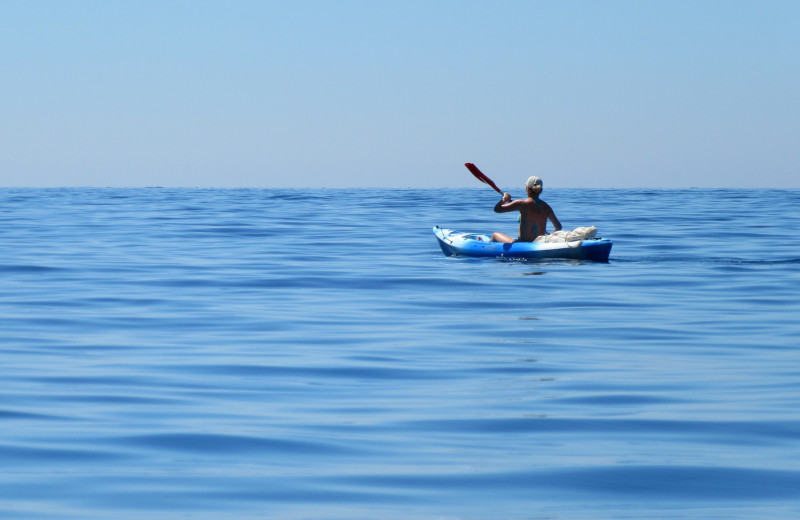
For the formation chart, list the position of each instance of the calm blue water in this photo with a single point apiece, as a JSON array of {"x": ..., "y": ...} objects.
[{"x": 171, "y": 353}]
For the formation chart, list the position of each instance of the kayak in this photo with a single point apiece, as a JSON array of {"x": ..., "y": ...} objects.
[{"x": 456, "y": 243}]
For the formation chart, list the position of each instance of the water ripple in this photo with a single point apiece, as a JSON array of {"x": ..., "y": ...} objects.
[{"x": 225, "y": 354}]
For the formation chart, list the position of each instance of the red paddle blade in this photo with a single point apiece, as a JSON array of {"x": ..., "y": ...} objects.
[{"x": 481, "y": 177}]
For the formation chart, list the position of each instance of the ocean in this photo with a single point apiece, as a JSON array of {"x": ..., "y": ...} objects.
[{"x": 312, "y": 354}]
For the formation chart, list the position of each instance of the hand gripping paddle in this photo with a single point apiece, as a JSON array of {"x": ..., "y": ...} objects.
[{"x": 481, "y": 177}]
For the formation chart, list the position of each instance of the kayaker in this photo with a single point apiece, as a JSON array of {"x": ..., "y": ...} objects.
[{"x": 533, "y": 213}]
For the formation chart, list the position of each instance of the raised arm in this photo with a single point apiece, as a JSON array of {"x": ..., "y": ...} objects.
[{"x": 505, "y": 204}]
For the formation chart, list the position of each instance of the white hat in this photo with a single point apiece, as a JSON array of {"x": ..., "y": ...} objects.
[{"x": 533, "y": 181}]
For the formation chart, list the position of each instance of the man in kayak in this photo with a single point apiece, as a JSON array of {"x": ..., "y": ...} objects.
[{"x": 533, "y": 213}]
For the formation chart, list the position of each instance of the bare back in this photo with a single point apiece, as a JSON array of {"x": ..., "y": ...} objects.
[
  {"x": 533, "y": 219},
  {"x": 533, "y": 216}
]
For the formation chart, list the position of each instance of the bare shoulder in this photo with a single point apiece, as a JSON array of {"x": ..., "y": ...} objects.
[
  {"x": 518, "y": 203},
  {"x": 546, "y": 205}
]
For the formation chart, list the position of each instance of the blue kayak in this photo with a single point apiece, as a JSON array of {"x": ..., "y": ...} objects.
[{"x": 456, "y": 243}]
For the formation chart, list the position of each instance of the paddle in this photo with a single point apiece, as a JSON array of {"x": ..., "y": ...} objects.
[{"x": 481, "y": 177}]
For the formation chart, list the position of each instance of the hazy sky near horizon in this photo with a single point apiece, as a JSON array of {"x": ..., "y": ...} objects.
[{"x": 344, "y": 93}]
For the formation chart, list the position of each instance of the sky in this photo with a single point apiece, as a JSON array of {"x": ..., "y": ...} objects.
[{"x": 399, "y": 93}]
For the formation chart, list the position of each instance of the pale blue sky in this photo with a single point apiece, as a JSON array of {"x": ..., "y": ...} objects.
[{"x": 300, "y": 93}]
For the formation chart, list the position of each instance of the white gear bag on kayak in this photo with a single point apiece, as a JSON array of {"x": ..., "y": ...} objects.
[{"x": 579, "y": 233}]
